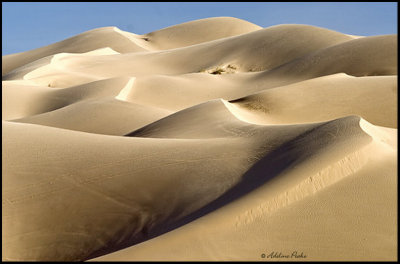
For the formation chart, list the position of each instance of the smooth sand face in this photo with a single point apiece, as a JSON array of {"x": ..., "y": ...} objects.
[{"x": 214, "y": 139}]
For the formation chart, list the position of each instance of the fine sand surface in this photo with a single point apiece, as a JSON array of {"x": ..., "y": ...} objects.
[{"x": 210, "y": 140}]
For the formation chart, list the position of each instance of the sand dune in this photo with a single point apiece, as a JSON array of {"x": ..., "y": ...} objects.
[
  {"x": 368, "y": 56},
  {"x": 319, "y": 99},
  {"x": 214, "y": 139},
  {"x": 85, "y": 42},
  {"x": 310, "y": 213},
  {"x": 277, "y": 45},
  {"x": 19, "y": 97},
  {"x": 185, "y": 34},
  {"x": 117, "y": 117},
  {"x": 198, "y": 31}
]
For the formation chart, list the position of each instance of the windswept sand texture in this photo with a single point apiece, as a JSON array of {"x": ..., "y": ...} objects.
[{"x": 215, "y": 139}]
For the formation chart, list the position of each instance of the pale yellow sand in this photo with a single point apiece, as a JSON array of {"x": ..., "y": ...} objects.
[{"x": 214, "y": 139}]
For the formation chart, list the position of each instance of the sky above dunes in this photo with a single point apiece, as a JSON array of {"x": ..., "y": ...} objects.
[{"x": 28, "y": 26}]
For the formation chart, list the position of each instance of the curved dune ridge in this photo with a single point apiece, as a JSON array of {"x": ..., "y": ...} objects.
[{"x": 215, "y": 139}]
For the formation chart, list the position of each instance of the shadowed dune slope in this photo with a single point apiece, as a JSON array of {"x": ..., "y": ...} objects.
[
  {"x": 116, "y": 182},
  {"x": 319, "y": 99},
  {"x": 310, "y": 221}
]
